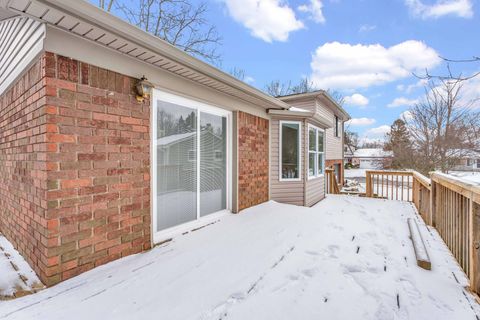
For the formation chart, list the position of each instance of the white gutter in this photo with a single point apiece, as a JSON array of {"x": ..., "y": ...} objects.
[{"x": 89, "y": 13}]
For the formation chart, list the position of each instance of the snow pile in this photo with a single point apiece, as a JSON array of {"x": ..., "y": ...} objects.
[
  {"x": 353, "y": 186},
  {"x": 467, "y": 176},
  {"x": 16, "y": 276},
  {"x": 345, "y": 258},
  {"x": 355, "y": 173},
  {"x": 372, "y": 153}
]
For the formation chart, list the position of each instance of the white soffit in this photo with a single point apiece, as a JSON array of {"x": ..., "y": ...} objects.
[{"x": 89, "y": 22}]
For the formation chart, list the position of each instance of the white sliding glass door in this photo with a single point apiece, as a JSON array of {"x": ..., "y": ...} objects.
[{"x": 190, "y": 160}]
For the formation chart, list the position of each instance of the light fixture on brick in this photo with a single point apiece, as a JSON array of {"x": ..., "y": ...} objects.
[{"x": 144, "y": 87}]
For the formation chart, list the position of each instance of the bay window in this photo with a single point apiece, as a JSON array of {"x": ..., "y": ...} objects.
[{"x": 315, "y": 152}]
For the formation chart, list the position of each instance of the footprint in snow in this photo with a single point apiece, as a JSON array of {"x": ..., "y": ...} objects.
[
  {"x": 412, "y": 293},
  {"x": 309, "y": 273}
]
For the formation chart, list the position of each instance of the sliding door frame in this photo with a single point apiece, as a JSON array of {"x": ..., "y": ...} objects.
[{"x": 200, "y": 107}]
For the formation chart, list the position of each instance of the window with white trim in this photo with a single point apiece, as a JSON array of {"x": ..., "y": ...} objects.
[
  {"x": 290, "y": 150},
  {"x": 315, "y": 151}
]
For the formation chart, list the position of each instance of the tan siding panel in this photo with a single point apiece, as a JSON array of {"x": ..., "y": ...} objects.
[
  {"x": 334, "y": 146},
  {"x": 291, "y": 192},
  {"x": 21, "y": 40},
  {"x": 314, "y": 191}
]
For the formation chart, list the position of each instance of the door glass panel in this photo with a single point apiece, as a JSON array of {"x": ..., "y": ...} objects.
[
  {"x": 213, "y": 163},
  {"x": 176, "y": 144}
]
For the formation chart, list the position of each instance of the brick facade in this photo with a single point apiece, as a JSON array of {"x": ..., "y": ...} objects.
[
  {"x": 23, "y": 166},
  {"x": 330, "y": 163},
  {"x": 253, "y": 160},
  {"x": 75, "y": 147}
]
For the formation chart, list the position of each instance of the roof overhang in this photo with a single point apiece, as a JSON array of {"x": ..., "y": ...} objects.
[
  {"x": 85, "y": 20},
  {"x": 321, "y": 121},
  {"x": 330, "y": 102}
]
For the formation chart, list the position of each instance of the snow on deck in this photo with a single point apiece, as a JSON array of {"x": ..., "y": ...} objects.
[
  {"x": 345, "y": 258},
  {"x": 16, "y": 276}
]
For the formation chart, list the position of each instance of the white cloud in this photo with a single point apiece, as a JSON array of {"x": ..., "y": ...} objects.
[
  {"x": 470, "y": 93},
  {"x": 376, "y": 134},
  {"x": 361, "y": 122},
  {"x": 269, "y": 20},
  {"x": 249, "y": 79},
  {"x": 459, "y": 8},
  {"x": 406, "y": 116},
  {"x": 344, "y": 66},
  {"x": 356, "y": 99},
  {"x": 366, "y": 28},
  {"x": 314, "y": 8},
  {"x": 402, "y": 102},
  {"x": 411, "y": 87}
]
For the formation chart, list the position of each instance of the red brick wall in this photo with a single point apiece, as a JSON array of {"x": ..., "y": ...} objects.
[
  {"x": 93, "y": 190},
  {"x": 330, "y": 163},
  {"x": 23, "y": 165},
  {"x": 253, "y": 171}
]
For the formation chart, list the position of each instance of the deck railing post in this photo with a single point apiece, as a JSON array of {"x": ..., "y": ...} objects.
[
  {"x": 433, "y": 204},
  {"x": 472, "y": 244},
  {"x": 369, "y": 187}
]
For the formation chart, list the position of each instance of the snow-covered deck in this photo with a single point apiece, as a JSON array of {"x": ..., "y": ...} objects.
[{"x": 345, "y": 258}]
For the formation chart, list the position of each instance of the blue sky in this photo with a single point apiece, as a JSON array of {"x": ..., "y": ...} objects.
[{"x": 366, "y": 49}]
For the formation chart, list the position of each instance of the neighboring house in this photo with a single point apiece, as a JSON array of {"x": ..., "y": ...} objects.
[
  {"x": 89, "y": 174},
  {"x": 371, "y": 158},
  {"x": 466, "y": 160},
  {"x": 348, "y": 153}
]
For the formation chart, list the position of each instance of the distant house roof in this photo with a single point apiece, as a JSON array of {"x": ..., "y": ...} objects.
[
  {"x": 164, "y": 141},
  {"x": 464, "y": 153},
  {"x": 372, "y": 153},
  {"x": 176, "y": 138}
]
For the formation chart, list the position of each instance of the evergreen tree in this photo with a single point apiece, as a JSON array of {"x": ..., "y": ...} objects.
[{"x": 400, "y": 144}]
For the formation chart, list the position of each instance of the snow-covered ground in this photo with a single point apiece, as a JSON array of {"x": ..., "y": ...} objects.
[
  {"x": 16, "y": 276},
  {"x": 468, "y": 176},
  {"x": 355, "y": 173},
  {"x": 345, "y": 258}
]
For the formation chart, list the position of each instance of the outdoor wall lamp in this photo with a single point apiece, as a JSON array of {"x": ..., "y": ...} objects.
[{"x": 144, "y": 87}]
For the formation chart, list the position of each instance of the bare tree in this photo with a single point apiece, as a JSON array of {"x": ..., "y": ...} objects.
[
  {"x": 442, "y": 126},
  {"x": 450, "y": 75},
  {"x": 106, "y": 5},
  {"x": 351, "y": 139},
  {"x": 176, "y": 21},
  {"x": 278, "y": 89},
  {"x": 238, "y": 73},
  {"x": 337, "y": 96},
  {"x": 305, "y": 85}
]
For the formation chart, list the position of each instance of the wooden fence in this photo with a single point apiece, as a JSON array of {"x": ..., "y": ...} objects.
[
  {"x": 331, "y": 181},
  {"x": 393, "y": 185},
  {"x": 448, "y": 204}
]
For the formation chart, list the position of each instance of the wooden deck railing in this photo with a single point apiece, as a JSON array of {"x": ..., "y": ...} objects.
[
  {"x": 448, "y": 204},
  {"x": 331, "y": 181},
  {"x": 393, "y": 185},
  {"x": 421, "y": 189}
]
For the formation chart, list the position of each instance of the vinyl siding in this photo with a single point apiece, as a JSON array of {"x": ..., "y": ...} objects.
[
  {"x": 314, "y": 191},
  {"x": 21, "y": 40},
  {"x": 291, "y": 192},
  {"x": 314, "y": 187},
  {"x": 334, "y": 145}
]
